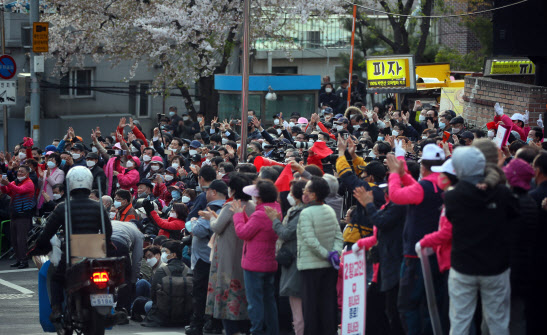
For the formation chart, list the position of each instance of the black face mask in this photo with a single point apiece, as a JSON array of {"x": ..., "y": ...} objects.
[{"x": 462, "y": 141}]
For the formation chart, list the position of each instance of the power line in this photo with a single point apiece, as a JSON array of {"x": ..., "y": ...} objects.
[{"x": 436, "y": 16}]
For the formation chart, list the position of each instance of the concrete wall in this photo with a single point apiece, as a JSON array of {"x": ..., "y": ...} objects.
[{"x": 481, "y": 94}]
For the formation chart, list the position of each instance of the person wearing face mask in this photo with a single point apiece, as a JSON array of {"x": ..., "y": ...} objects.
[
  {"x": 329, "y": 98},
  {"x": 122, "y": 203},
  {"x": 146, "y": 159},
  {"x": 50, "y": 203},
  {"x": 226, "y": 273},
  {"x": 342, "y": 124},
  {"x": 156, "y": 167},
  {"x": 187, "y": 128},
  {"x": 52, "y": 176},
  {"x": 173, "y": 114},
  {"x": 144, "y": 191},
  {"x": 78, "y": 155},
  {"x": 290, "y": 282},
  {"x": 163, "y": 182},
  {"x": 149, "y": 264},
  {"x": 171, "y": 256},
  {"x": 128, "y": 177},
  {"x": 22, "y": 207},
  {"x": 206, "y": 175},
  {"x": 172, "y": 226},
  {"x": 175, "y": 191},
  {"x": 92, "y": 160},
  {"x": 457, "y": 125}
]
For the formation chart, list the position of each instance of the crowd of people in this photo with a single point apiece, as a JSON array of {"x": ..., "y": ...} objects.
[{"x": 248, "y": 238}]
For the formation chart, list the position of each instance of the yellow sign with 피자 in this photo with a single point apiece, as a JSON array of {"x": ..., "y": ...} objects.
[
  {"x": 520, "y": 67},
  {"x": 386, "y": 73}
]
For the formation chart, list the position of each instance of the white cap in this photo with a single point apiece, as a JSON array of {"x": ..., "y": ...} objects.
[
  {"x": 447, "y": 167},
  {"x": 432, "y": 152},
  {"x": 251, "y": 190},
  {"x": 517, "y": 117}
]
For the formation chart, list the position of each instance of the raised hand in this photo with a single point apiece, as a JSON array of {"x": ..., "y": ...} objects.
[
  {"x": 93, "y": 135},
  {"x": 131, "y": 125},
  {"x": 394, "y": 165},
  {"x": 131, "y": 137},
  {"x": 342, "y": 144},
  {"x": 121, "y": 124},
  {"x": 351, "y": 148},
  {"x": 363, "y": 196},
  {"x": 256, "y": 122},
  {"x": 498, "y": 109},
  {"x": 272, "y": 213}
]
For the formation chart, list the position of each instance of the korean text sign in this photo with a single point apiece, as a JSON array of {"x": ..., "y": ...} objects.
[
  {"x": 391, "y": 74},
  {"x": 354, "y": 302}
]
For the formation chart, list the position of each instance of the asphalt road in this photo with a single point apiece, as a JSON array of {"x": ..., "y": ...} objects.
[{"x": 19, "y": 306}]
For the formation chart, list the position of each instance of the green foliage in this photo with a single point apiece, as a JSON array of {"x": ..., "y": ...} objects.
[
  {"x": 482, "y": 28},
  {"x": 472, "y": 61}
]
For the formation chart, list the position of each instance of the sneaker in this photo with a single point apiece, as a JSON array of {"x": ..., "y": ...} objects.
[
  {"x": 23, "y": 265},
  {"x": 193, "y": 330},
  {"x": 15, "y": 265},
  {"x": 211, "y": 328}
]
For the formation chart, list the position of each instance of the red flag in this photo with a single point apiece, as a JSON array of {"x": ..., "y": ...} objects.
[
  {"x": 260, "y": 161},
  {"x": 283, "y": 183}
]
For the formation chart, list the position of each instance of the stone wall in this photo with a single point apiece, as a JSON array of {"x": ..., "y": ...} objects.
[{"x": 481, "y": 93}]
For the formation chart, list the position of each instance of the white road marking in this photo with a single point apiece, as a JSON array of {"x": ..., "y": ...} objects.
[
  {"x": 23, "y": 270},
  {"x": 14, "y": 296},
  {"x": 15, "y": 287}
]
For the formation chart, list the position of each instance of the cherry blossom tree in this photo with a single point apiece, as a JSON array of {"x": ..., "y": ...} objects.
[{"x": 189, "y": 40}]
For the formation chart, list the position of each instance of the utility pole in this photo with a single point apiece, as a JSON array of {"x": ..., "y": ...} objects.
[
  {"x": 245, "y": 80},
  {"x": 4, "y": 107},
  {"x": 34, "y": 84}
]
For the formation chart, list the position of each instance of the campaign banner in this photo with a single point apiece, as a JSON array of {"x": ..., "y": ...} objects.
[
  {"x": 391, "y": 74},
  {"x": 355, "y": 293}
]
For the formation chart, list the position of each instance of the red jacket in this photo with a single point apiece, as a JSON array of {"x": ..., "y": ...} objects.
[
  {"x": 523, "y": 132},
  {"x": 169, "y": 224},
  {"x": 441, "y": 242}
]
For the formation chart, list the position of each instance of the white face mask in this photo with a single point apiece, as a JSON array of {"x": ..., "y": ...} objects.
[
  {"x": 200, "y": 119},
  {"x": 151, "y": 261},
  {"x": 50, "y": 164},
  {"x": 490, "y": 134},
  {"x": 224, "y": 140},
  {"x": 276, "y": 121},
  {"x": 129, "y": 164},
  {"x": 154, "y": 168},
  {"x": 21, "y": 178},
  {"x": 112, "y": 215},
  {"x": 421, "y": 118},
  {"x": 117, "y": 204},
  {"x": 328, "y": 89},
  {"x": 93, "y": 149},
  {"x": 90, "y": 163},
  {"x": 394, "y": 133},
  {"x": 291, "y": 200},
  {"x": 279, "y": 131},
  {"x": 76, "y": 156},
  {"x": 173, "y": 215},
  {"x": 22, "y": 155},
  {"x": 56, "y": 196},
  {"x": 168, "y": 177},
  {"x": 175, "y": 165},
  {"x": 146, "y": 158},
  {"x": 455, "y": 130},
  {"x": 424, "y": 137},
  {"x": 291, "y": 124},
  {"x": 339, "y": 127},
  {"x": 171, "y": 113},
  {"x": 193, "y": 152},
  {"x": 372, "y": 154},
  {"x": 185, "y": 118},
  {"x": 220, "y": 175},
  {"x": 185, "y": 199},
  {"x": 164, "y": 257}
]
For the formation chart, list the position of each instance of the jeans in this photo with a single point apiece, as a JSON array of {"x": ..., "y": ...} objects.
[
  {"x": 143, "y": 288},
  {"x": 260, "y": 290},
  {"x": 319, "y": 301},
  {"x": 495, "y": 294}
]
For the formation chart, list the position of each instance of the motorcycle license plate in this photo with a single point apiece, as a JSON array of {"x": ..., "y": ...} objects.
[{"x": 102, "y": 300}]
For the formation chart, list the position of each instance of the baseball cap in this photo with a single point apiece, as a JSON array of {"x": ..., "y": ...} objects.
[
  {"x": 195, "y": 158},
  {"x": 447, "y": 167},
  {"x": 342, "y": 120},
  {"x": 92, "y": 155},
  {"x": 327, "y": 110},
  {"x": 432, "y": 152},
  {"x": 219, "y": 186},
  {"x": 195, "y": 144},
  {"x": 467, "y": 134},
  {"x": 337, "y": 116},
  {"x": 78, "y": 146},
  {"x": 517, "y": 117}
]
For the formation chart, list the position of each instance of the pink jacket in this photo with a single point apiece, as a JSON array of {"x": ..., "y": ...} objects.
[
  {"x": 523, "y": 132},
  {"x": 441, "y": 242},
  {"x": 411, "y": 192},
  {"x": 128, "y": 179},
  {"x": 259, "y": 237}
]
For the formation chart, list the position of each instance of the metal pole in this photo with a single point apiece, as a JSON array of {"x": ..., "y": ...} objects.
[
  {"x": 351, "y": 52},
  {"x": 245, "y": 81},
  {"x": 5, "y": 107},
  {"x": 34, "y": 85}
]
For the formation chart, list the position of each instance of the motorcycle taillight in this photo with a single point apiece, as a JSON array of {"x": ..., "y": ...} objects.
[{"x": 100, "y": 279}]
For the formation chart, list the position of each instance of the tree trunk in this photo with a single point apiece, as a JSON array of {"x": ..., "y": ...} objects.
[
  {"x": 424, "y": 29},
  {"x": 188, "y": 101}
]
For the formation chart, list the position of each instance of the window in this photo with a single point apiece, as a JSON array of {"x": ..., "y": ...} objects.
[
  {"x": 143, "y": 104},
  {"x": 77, "y": 84},
  {"x": 285, "y": 69}
]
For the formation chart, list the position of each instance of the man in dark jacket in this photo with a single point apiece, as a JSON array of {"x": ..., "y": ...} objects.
[
  {"x": 480, "y": 245},
  {"x": 358, "y": 90},
  {"x": 172, "y": 254},
  {"x": 98, "y": 173},
  {"x": 86, "y": 219}
]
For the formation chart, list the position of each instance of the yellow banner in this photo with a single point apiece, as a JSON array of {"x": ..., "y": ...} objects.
[
  {"x": 384, "y": 73},
  {"x": 512, "y": 67},
  {"x": 452, "y": 99}
]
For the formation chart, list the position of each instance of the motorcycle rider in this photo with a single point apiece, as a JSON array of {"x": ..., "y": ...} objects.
[{"x": 86, "y": 219}]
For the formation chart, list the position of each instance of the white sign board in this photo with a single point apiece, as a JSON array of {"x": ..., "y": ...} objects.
[
  {"x": 8, "y": 92},
  {"x": 355, "y": 294}
]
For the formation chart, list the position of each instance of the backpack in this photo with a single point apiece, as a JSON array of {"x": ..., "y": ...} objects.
[{"x": 174, "y": 298}]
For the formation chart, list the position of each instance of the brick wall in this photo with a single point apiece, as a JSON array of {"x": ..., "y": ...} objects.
[
  {"x": 453, "y": 34},
  {"x": 481, "y": 93}
]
